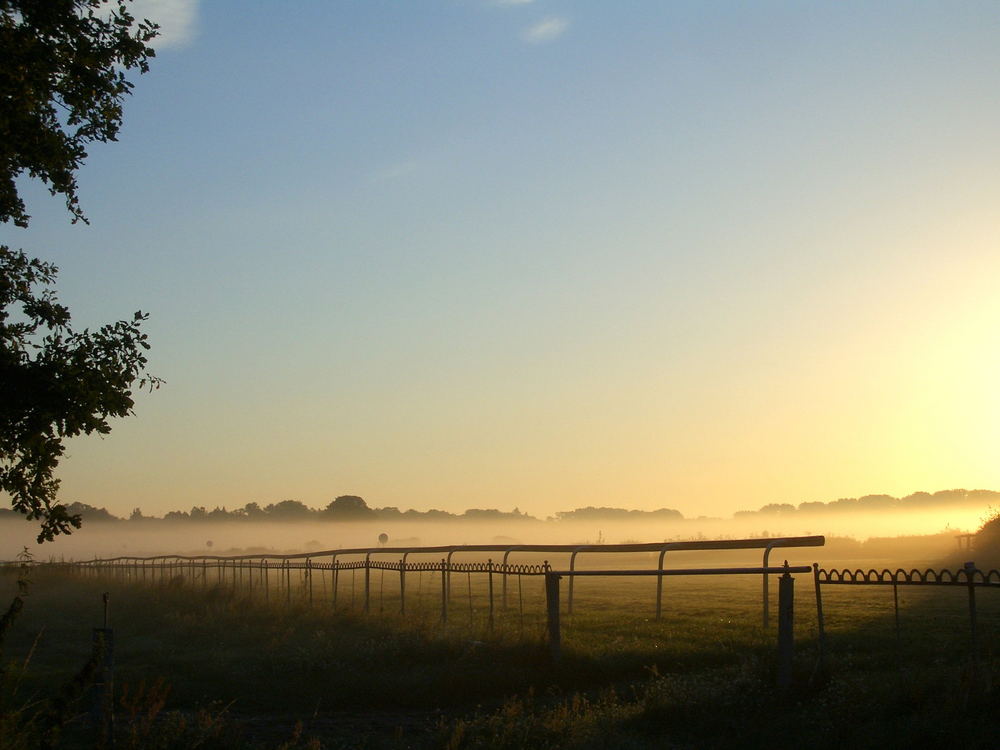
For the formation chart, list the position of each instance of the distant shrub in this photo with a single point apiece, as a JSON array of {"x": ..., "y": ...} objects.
[{"x": 987, "y": 542}]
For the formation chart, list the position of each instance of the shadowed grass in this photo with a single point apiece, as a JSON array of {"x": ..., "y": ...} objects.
[{"x": 700, "y": 677}]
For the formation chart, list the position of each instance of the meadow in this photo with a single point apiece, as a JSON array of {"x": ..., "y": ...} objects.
[{"x": 201, "y": 665}]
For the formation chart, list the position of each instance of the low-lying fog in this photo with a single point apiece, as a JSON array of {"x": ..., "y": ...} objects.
[{"x": 110, "y": 539}]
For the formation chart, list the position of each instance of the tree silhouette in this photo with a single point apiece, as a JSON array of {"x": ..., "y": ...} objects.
[
  {"x": 62, "y": 83},
  {"x": 63, "y": 66},
  {"x": 348, "y": 508}
]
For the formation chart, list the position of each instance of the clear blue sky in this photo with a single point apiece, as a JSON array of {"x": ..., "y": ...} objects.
[{"x": 702, "y": 255}]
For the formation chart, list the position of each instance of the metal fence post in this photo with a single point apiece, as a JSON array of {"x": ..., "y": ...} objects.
[
  {"x": 402, "y": 587},
  {"x": 820, "y": 629},
  {"x": 368, "y": 579},
  {"x": 506, "y": 555},
  {"x": 895, "y": 608},
  {"x": 786, "y": 634},
  {"x": 767, "y": 595},
  {"x": 970, "y": 569},
  {"x": 572, "y": 580},
  {"x": 444, "y": 591},
  {"x": 659, "y": 584},
  {"x": 448, "y": 565},
  {"x": 489, "y": 572},
  {"x": 336, "y": 579},
  {"x": 309, "y": 577}
]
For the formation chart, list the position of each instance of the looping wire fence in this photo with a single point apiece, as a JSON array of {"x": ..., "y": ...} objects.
[
  {"x": 912, "y": 577},
  {"x": 969, "y": 577}
]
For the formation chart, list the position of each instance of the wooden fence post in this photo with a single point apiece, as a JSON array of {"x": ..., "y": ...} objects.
[
  {"x": 552, "y": 609},
  {"x": 103, "y": 707},
  {"x": 786, "y": 633}
]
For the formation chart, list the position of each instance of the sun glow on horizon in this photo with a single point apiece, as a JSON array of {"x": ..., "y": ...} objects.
[{"x": 488, "y": 255}]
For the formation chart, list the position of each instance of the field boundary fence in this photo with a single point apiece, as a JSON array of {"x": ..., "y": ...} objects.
[
  {"x": 968, "y": 577},
  {"x": 270, "y": 577},
  {"x": 271, "y": 574},
  {"x": 786, "y": 598}
]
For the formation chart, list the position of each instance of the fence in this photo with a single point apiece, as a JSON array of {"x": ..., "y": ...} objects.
[
  {"x": 969, "y": 577},
  {"x": 270, "y": 576},
  {"x": 253, "y": 573},
  {"x": 786, "y": 637},
  {"x": 245, "y": 569}
]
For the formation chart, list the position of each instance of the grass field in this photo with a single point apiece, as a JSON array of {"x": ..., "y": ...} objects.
[{"x": 204, "y": 666}]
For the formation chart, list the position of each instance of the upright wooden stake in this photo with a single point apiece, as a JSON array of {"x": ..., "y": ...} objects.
[
  {"x": 786, "y": 633},
  {"x": 552, "y": 609}
]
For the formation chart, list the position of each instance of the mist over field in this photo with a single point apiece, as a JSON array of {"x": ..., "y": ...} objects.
[{"x": 155, "y": 536}]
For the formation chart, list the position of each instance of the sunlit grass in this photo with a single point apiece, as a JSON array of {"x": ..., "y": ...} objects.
[{"x": 702, "y": 674}]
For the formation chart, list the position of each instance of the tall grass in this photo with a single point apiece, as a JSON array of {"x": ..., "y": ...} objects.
[{"x": 209, "y": 667}]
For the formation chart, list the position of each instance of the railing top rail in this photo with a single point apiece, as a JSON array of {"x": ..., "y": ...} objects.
[
  {"x": 687, "y": 571},
  {"x": 693, "y": 545}
]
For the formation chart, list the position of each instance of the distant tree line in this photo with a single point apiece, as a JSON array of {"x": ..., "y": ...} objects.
[
  {"x": 916, "y": 501},
  {"x": 343, "y": 508},
  {"x": 590, "y": 513},
  {"x": 354, "y": 508}
]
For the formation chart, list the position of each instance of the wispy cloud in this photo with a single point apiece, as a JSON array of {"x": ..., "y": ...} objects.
[
  {"x": 513, "y": 2},
  {"x": 178, "y": 20},
  {"x": 395, "y": 171},
  {"x": 545, "y": 30}
]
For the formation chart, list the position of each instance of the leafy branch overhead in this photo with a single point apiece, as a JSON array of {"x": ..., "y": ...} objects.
[
  {"x": 65, "y": 383},
  {"x": 63, "y": 68}
]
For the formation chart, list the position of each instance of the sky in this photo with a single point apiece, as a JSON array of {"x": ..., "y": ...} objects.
[{"x": 546, "y": 254}]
